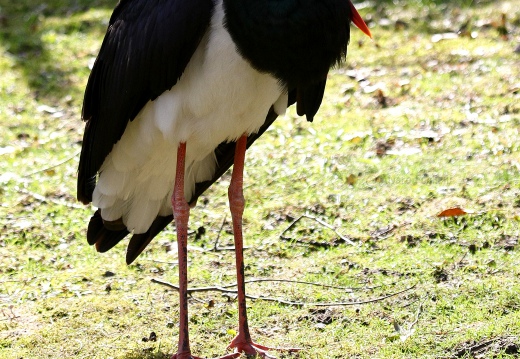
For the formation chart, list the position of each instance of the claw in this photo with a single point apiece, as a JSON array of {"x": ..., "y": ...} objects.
[
  {"x": 257, "y": 350},
  {"x": 184, "y": 356},
  {"x": 189, "y": 356}
]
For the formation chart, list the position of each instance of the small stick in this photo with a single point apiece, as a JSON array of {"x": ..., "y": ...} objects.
[
  {"x": 53, "y": 166},
  {"x": 363, "y": 301},
  {"x": 215, "y": 245},
  {"x": 418, "y": 314},
  {"x": 11, "y": 316},
  {"x": 258, "y": 280},
  {"x": 409, "y": 304},
  {"x": 324, "y": 224},
  {"x": 159, "y": 261},
  {"x": 281, "y": 301},
  {"x": 192, "y": 290},
  {"x": 463, "y": 257}
]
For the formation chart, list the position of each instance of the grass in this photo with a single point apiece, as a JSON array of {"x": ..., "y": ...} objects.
[{"x": 411, "y": 126}]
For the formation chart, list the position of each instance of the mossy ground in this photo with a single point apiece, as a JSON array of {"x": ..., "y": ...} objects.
[{"x": 415, "y": 123}]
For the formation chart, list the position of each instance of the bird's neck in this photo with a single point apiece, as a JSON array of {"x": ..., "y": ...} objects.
[{"x": 297, "y": 41}]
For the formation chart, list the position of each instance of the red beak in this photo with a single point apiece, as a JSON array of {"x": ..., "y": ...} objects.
[{"x": 358, "y": 20}]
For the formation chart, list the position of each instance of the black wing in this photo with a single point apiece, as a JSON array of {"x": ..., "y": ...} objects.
[{"x": 146, "y": 49}]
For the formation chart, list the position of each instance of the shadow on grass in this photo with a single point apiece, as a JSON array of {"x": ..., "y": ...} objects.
[
  {"x": 422, "y": 16},
  {"x": 21, "y": 35},
  {"x": 143, "y": 354},
  {"x": 456, "y": 3}
]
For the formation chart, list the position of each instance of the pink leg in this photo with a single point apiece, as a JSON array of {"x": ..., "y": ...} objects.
[
  {"x": 242, "y": 342},
  {"x": 181, "y": 213}
]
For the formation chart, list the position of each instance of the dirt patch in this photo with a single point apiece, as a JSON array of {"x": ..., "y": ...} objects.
[
  {"x": 487, "y": 348},
  {"x": 18, "y": 321}
]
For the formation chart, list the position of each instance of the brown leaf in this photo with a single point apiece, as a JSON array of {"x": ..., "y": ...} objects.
[
  {"x": 452, "y": 212},
  {"x": 351, "y": 179}
]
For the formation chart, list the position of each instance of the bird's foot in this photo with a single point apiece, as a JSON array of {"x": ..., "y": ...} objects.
[
  {"x": 256, "y": 350},
  {"x": 187, "y": 355},
  {"x": 184, "y": 355}
]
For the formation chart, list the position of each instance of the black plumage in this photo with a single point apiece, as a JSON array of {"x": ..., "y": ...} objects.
[{"x": 276, "y": 37}]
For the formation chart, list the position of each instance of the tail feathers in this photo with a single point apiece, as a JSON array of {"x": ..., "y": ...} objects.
[
  {"x": 104, "y": 234},
  {"x": 139, "y": 241},
  {"x": 308, "y": 99},
  {"x": 107, "y": 239}
]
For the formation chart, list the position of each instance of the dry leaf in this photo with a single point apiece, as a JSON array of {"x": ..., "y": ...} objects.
[
  {"x": 351, "y": 179},
  {"x": 452, "y": 212}
]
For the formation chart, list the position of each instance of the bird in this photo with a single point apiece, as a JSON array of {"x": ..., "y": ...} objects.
[{"x": 179, "y": 90}]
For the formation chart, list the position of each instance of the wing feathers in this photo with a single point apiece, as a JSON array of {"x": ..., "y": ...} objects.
[
  {"x": 139, "y": 241},
  {"x": 309, "y": 99},
  {"x": 145, "y": 51},
  {"x": 104, "y": 235}
]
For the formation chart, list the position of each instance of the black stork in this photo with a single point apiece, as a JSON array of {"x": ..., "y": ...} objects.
[{"x": 179, "y": 90}]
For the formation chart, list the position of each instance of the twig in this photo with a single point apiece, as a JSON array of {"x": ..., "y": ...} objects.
[
  {"x": 405, "y": 334},
  {"x": 324, "y": 224},
  {"x": 382, "y": 233},
  {"x": 199, "y": 289},
  {"x": 216, "y": 248},
  {"x": 473, "y": 349},
  {"x": 12, "y": 315},
  {"x": 409, "y": 304},
  {"x": 363, "y": 301},
  {"x": 258, "y": 280},
  {"x": 418, "y": 314},
  {"x": 215, "y": 245},
  {"x": 460, "y": 262},
  {"x": 53, "y": 166},
  {"x": 281, "y": 301},
  {"x": 159, "y": 261}
]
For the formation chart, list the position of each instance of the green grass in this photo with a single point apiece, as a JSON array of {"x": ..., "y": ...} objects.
[{"x": 409, "y": 127}]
